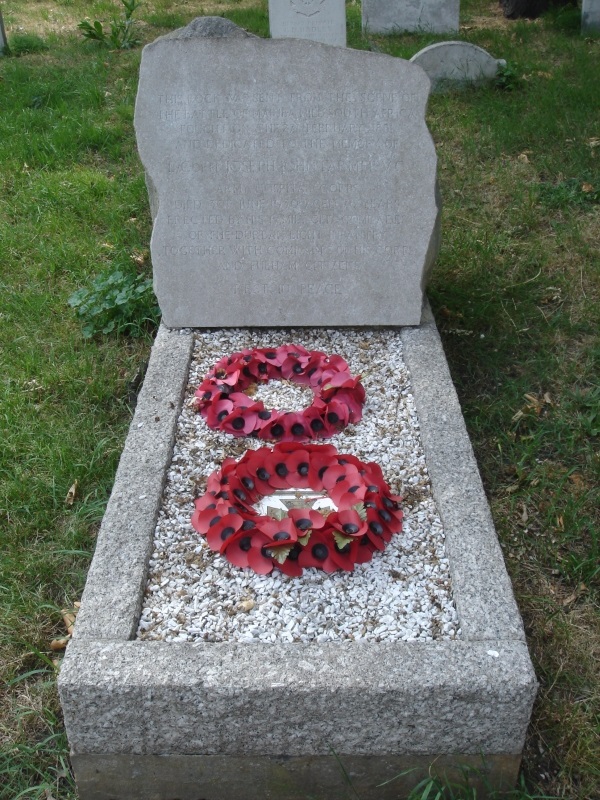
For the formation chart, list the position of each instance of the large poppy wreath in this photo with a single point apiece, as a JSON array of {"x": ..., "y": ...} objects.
[
  {"x": 338, "y": 395},
  {"x": 363, "y": 513}
]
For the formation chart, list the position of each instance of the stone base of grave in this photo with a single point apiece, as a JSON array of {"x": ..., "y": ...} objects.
[
  {"x": 230, "y": 721},
  {"x": 271, "y": 778}
]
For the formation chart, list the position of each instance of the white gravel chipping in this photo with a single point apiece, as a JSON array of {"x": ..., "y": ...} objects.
[{"x": 404, "y": 593}]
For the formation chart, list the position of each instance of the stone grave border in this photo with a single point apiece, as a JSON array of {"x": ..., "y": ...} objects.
[{"x": 171, "y": 720}]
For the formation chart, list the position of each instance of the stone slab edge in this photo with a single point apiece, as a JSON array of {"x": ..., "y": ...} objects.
[
  {"x": 318, "y": 777},
  {"x": 164, "y": 698},
  {"x": 480, "y": 584},
  {"x": 111, "y": 602}
]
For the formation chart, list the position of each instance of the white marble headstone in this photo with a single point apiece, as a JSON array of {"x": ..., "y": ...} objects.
[
  {"x": 318, "y": 20},
  {"x": 292, "y": 183},
  {"x": 590, "y": 16},
  {"x": 3, "y": 41}
]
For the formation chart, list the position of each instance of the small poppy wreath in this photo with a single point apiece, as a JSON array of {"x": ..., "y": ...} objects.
[
  {"x": 367, "y": 514},
  {"x": 338, "y": 395}
]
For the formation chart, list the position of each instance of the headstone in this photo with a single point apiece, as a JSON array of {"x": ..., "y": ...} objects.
[
  {"x": 395, "y": 16},
  {"x": 3, "y": 40},
  {"x": 590, "y": 16},
  {"x": 317, "y": 20},
  {"x": 455, "y": 63},
  {"x": 293, "y": 183}
]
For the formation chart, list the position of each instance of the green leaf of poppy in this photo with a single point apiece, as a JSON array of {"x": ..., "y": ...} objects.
[
  {"x": 303, "y": 540},
  {"x": 280, "y": 553},
  {"x": 341, "y": 540},
  {"x": 360, "y": 510}
]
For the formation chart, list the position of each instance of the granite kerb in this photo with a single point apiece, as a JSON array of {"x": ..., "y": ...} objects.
[
  {"x": 473, "y": 695},
  {"x": 160, "y": 698}
]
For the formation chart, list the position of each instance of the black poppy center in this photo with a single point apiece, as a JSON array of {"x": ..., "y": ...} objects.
[
  {"x": 245, "y": 543},
  {"x": 262, "y": 474},
  {"x": 298, "y": 429},
  {"x": 317, "y": 425},
  {"x": 247, "y": 524},
  {"x": 303, "y": 524},
  {"x": 227, "y": 532},
  {"x": 350, "y": 528},
  {"x": 303, "y": 468},
  {"x": 277, "y": 430},
  {"x": 281, "y": 536},
  {"x": 320, "y": 551},
  {"x": 281, "y": 469},
  {"x": 237, "y": 424}
]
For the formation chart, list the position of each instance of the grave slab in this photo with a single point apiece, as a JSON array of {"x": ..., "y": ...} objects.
[
  {"x": 293, "y": 183},
  {"x": 208, "y": 715},
  {"x": 590, "y": 16},
  {"x": 396, "y": 16},
  {"x": 318, "y": 20},
  {"x": 451, "y": 64}
]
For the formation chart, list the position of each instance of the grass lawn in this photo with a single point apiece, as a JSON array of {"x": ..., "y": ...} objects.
[{"x": 515, "y": 293}]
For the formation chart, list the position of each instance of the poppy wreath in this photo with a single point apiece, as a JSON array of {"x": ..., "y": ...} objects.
[
  {"x": 367, "y": 514},
  {"x": 338, "y": 395}
]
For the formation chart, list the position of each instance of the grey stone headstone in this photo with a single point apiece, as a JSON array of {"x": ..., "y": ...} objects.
[
  {"x": 590, "y": 16},
  {"x": 3, "y": 41},
  {"x": 455, "y": 63},
  {"x": 293, "y": 183},
  {"x": 318, "y": 20},
  {"x": 394, "y": 16}
]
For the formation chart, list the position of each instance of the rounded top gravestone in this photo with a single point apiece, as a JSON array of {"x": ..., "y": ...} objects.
[{"x": 292, "y": 182}]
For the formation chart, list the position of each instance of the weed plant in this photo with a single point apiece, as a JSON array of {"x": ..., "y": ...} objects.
[
  {"x": 121, "y": 35},
  {"x": 515, "y": 293}
]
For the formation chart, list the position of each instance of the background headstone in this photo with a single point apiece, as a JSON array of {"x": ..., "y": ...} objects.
[
  {"x": 3, "y": 40},
  {"x": 394, "y": 16},
  {"x": 293, "y": 183},
  {"x": 590, "y": 16},
  {"x": 317, "y": 20},
  {"x": 455, "y": 63}
]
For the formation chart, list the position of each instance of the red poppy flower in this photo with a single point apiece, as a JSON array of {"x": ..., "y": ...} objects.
[
  {"x": 320, "y": 552},
  {"x": 305, "y": 520},
  {"x": 348, "y": 523}
]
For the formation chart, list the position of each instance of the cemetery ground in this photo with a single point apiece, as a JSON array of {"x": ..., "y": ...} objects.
[{"x": 515, "y": 293}]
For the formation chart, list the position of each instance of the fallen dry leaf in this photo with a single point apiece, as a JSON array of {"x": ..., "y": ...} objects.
[
  {"x": 70, "y": 498},
  {"x": 523, "y": 158},
  {"x": 246, "y": 605},
  {"x": 68, "y": 619},
  {"x": 59, "y": 644},
  {"x": 587, "y": 188}
]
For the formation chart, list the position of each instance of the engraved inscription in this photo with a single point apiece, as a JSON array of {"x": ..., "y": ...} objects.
[{"x": 328, "y": 139}]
